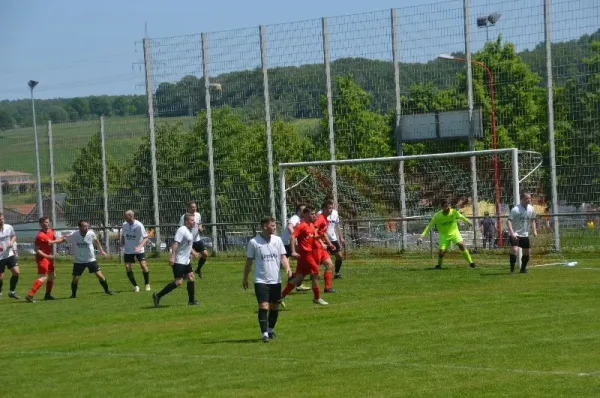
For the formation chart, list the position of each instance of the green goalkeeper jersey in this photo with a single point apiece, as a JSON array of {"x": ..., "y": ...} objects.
[{"x": 446, "y": 223}]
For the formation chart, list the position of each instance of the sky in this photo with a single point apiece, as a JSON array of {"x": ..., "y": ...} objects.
[{"x": 80, "y": 48}]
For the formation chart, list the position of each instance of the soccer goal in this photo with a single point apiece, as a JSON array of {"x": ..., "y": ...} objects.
[{"x": 385, "y": 203}]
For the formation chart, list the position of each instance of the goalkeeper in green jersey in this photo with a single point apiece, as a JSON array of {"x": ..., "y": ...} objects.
[{"x": 446, "y": 222}]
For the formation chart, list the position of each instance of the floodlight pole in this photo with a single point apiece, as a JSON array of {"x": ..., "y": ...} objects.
[
  {"x": 494, "y": 140},
  {"x": 32, "y": 84}
]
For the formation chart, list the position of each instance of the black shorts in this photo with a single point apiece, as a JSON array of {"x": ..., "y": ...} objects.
[
  {"x": 337, "y": 247},
  {"x": 288, "y": 250},
  {"x": 522, "y": 241},
  {"x": 198, "y": 246},
  {"x": 270, "y": 293},
  {"x": 130, "y": 258},
  {"x": 92, "y": 267},
  {"x": 180, "y": 271},
  {"x": 9, "y": 262}
]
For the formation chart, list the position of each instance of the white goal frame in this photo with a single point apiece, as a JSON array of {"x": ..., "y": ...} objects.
[{"x": 401, "y": 159}]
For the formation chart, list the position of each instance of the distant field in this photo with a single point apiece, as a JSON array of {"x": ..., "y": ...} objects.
[
  {"x": 395, "y": 327},
  {"x": 123, "y": 136}
]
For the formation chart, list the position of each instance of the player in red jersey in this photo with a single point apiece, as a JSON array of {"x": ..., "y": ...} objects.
[
  {"x": 44, "y": 259},
  {"x": 322, "y": 243},
  {"x": 308, "y": 263}
]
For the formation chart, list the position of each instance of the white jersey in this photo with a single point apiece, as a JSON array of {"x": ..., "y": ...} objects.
[
  {"x": 285, "y": 234},
  {"x": 334, "y": 220},
  {"x": 197, "y": 222},
  {"x": 82, "y": 247},
  {"x": 267, "y": 258},
  {"x": 6, "y": 234},
  {"x": 133, "y": 234},
  {"x": 521, "y": 218},
  {"x": 185, "y": 239}
]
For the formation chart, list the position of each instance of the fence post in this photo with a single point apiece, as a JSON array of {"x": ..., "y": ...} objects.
[
  {"x": 104, "y": 184},
  {"x": 398, "y": 133},
  {"x": 330, "y": 110},
  {"x": 52, "y": 190},
  {"x": 149, "y": 95},
  {"x": 263, "y": 60},
  {"x": 551, "y": 148},
  {"x": 474, "y": 188},
  {"x": 209, "y": 139}
]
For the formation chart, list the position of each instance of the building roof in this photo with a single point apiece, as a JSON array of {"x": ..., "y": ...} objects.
[
  {"x": 24, "y": 209},
  {"x": 12, "y": 173}
]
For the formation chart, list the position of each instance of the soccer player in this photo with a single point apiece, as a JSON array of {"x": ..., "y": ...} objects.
[
  {"x": 519, "y": 222},
  {"x": 304, "y": 235},
  {"x": 335, "y": 237},
  {"x": 288, "y": 234},
  {"x": 269, "y": 254},
  {"x": 196, "y": 230},
  {"x": 44, "y": 260},
  {"x": 133, "y": 240},
  {"x": 322, "y": 243},
  {"x": 488, "y": 229},
  {"x": 180, "y": 261},
  {"x": 8, "y": 258},
  {"x": 446, "y": 222}
]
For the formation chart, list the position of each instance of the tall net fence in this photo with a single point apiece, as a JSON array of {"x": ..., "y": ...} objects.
[{"x": 219, "y": 131}]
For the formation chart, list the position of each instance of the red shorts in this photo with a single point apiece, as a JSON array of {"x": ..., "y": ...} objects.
[
  {"x": 45, "y": 266},
  {"x": 323, "y": 255},
  {"x": 307, "y": 264}
]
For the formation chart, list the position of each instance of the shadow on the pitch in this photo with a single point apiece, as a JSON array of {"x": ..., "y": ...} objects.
[
  {"x": 151, "y": 307},
  {"x": 232, "y": 341},
  {"x": 495, "y": 274}
]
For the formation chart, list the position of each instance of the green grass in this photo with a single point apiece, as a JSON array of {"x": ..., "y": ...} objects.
[
  {"x": 123, "y": 136},
  {"x": 395, "y": 328}
]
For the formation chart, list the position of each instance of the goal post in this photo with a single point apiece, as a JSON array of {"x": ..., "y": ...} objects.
[{"x": 372, "y": 188}]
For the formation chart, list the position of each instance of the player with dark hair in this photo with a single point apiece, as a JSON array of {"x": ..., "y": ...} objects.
[
  {"x": 520, "y": 220},
  {"x": 488, "y": 230},
  {"x": 446, "y": 222},
  {"x": 323, "y": 244},
  {"x": 268, "y": 253},
  {"x": 288, "y": 234},
  {"x": 8, "y": 259},
  {"x": 44, "y": 260},
  {"x": 181, "y": 250},
  {"x": 308, "y": 262}
]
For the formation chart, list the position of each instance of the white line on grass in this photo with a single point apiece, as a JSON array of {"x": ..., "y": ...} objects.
[{"x": 329, "y": 361}]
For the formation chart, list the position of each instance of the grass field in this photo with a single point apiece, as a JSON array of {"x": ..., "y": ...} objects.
[{"x": 395, "y": 328}]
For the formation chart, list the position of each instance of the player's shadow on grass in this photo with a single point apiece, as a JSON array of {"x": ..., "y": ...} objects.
[
  {"x": 232, "y": 341},
  {"x": 152, "y": 307},
  {"x": 496, "y": 273}
]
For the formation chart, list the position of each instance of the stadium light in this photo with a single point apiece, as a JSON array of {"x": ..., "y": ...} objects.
[
  {"x": 487, "y": 21},
  {"x": 494, "y": 141},
  {"x": 32, "y": 84}
]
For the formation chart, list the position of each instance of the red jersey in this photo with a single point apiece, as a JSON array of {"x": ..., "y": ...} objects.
[
  {"x": 305, "y": 234},
  {"x": 321, "y": 224},
  {"x": 42, "y": 243}
]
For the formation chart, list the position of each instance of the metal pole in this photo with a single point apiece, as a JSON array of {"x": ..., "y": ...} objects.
[
  {"x": 399, "y": 150},
  {"x": 475, "y": 195},
  {"x": 329, "y": 111},
  {"x": 263, "y": 59},
  {"x": 282, "y": 199},
  {"x": 209, "y": 139},
  {"x": 105, "y": 184},
  {"x": 516, "y": 194},
  {"x": 551, "y": 149},
  {"x": 148, "y": 70},
  {"x": 37, "y": 160},
  {"x": 52, "y": 191}
]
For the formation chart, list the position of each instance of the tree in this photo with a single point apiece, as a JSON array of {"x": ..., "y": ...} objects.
[
  {"x": 71, "y": 113},
  {"x": 58, "y": 114},
  {"x": 81, "y": 106},
  {"x": 100, "y": 106},
  {"x": 85, "y": 185},
  {"x": 122, "y": 107},
  {"x": 6, "y": 120}
]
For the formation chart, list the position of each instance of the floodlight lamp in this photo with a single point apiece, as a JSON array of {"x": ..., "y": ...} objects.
[
  {"x": 493, "y": 18},
  {"x": 446, "y": 56},
  {"x": 32, "y": 84},
  {"x": 482, "y": 22}
]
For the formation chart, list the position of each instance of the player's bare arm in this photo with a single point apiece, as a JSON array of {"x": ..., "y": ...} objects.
[
  {"x": 286, "y": 265},
  {"x": 99, "y": 247},
  {"x": 247, "y": 268},
  {"x": 293, "y": 243},
  {"x": 142, "y": 244},
  {"x": 338, "y": 232},
  {"x": 173, "y": 251},
  {"x": 534, "y": 226}
]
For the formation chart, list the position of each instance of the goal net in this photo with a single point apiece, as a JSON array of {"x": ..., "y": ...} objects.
[{"x": 385, "y": 203}]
